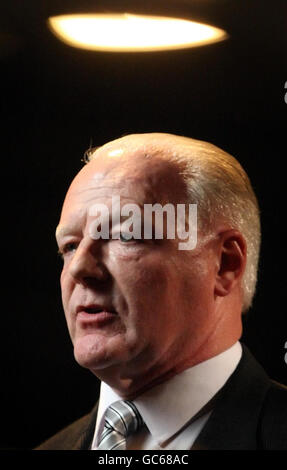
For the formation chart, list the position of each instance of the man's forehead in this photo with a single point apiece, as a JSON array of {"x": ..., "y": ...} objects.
[
  {"x": 106, "y": 163},
  {"x": 119, "y": 168},
  {"x": 133, "y": 176}
]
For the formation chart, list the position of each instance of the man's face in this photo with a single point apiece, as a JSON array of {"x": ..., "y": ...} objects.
[{"x": 140, "y": 306}]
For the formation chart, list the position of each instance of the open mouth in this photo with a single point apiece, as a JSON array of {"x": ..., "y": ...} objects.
[
  {"x": 95, "y": 315},
  {"x": 93, "y": 310}
]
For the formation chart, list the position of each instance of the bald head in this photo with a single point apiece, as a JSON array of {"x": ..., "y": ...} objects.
[
  {"x": 210, "y": 178},
  {"x": 132, "y": 161}
]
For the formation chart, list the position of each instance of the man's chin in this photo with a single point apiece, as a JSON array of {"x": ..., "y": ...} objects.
[{"x": 94, "y": 355}]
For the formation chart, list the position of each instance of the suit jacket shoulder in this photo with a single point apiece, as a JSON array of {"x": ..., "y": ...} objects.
[
  {"x": 250, "y": 413},
  {"x": 274, "y": 418}
]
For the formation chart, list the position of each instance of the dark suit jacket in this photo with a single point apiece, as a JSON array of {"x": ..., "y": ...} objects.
[{"x": 250, "y": 413}]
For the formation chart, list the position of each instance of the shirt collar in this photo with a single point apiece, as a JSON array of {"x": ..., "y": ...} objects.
[{"x": 167, "y": 407}]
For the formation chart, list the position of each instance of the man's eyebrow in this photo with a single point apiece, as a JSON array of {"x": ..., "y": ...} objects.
[
  {"x": 59, "y": 232},
  {"x": 63, "y": 230}
]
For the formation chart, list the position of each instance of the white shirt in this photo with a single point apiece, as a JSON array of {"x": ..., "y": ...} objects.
[{"x": 167, "y": 408}]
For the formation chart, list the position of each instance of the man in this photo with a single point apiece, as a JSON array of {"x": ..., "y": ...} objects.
[{"x": 158, "y": 325}]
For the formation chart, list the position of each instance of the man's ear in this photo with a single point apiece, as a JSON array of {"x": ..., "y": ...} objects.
[{"x": 231, "y": 261}]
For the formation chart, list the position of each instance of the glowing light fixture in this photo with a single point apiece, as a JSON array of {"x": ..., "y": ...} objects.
[{"x": 131, "y": 33}]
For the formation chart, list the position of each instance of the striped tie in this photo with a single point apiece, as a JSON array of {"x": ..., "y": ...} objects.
[{"x": 121, "y": 419}]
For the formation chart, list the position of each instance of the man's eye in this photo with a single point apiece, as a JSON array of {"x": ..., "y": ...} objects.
[
  {"x": 68, "y": 248},
  {"x": 128, "y": 238},
  {"x": 125, "y": 237}
]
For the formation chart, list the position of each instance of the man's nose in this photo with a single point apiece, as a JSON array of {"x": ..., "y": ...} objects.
[{"x": 87, "y": 265}]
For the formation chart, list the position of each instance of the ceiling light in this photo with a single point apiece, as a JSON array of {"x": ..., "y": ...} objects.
[{"x": 132, "y": 33}]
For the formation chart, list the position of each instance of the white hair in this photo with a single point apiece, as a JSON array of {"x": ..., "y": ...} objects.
[{"x": 215, "y": 181}]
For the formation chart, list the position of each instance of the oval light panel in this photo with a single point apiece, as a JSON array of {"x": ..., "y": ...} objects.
[{"x": 132, "y": 33}]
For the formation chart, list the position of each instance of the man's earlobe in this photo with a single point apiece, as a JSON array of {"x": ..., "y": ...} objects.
[{"x": 232, "y": 261}]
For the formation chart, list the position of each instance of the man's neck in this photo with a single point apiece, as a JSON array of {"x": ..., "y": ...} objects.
[{"x": 129, "y": 387}]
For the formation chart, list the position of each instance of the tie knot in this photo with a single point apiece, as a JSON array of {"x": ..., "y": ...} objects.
[{"x": 123, "y": 417}]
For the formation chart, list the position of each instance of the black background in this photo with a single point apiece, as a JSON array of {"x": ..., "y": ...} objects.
[{"x": 56, "y": 99}]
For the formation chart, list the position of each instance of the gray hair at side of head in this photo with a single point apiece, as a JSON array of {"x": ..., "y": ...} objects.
[
  {"x": 222, "y": 190},
  {"x": 216, "y": 182}
]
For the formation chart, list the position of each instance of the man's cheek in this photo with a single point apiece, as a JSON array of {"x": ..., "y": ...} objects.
[
  {"x": 66, "y": 301},
  {"x": 67, "y": 286}
]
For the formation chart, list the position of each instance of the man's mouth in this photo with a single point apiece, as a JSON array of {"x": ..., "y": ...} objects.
[
  {"x": 96, "y": 314},
  {"x": 95, "y": 308},
  {"x": 92, "y": 310}
]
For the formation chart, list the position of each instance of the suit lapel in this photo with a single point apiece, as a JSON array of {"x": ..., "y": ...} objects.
[
  {"x": 234, "y": 421},
  {"x": 86, "y": 435}
]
